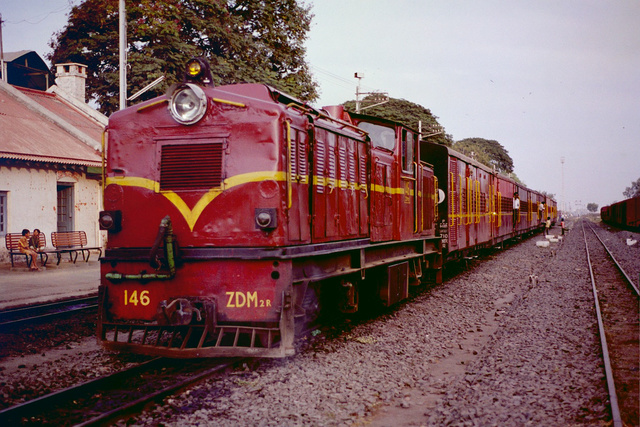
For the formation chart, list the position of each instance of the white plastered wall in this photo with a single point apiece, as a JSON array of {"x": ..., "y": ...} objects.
[{"x": 32, "y": 202}]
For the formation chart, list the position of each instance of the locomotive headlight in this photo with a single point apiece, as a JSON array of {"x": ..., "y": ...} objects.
[{"x": 188, "y": 104}]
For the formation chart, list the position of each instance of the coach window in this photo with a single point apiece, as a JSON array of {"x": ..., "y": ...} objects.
[
  {"x": 408, "y": 150},
  {"x": 381, "y": 136}
]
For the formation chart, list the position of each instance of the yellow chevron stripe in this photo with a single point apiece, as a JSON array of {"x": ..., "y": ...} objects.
[{"x": 191, "y": 215}]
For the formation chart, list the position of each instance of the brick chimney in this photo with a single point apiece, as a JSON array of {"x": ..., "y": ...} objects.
[{"x": 71, "y": 79}]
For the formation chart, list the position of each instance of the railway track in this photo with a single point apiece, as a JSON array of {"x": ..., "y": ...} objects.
[
  {"x": 106, "y": 399},
  {"x": 616, "y": 300},
  {"x": 45, "y": 312}
]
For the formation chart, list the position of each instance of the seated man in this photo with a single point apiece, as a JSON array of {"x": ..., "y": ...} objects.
[{"x": 34, "y": 241}]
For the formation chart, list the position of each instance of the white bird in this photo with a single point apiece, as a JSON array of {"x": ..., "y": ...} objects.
[{"x": 631, "y": 241}]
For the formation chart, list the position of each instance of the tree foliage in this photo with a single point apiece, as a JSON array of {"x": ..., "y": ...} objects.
[
  {"x": 245, "y": 41},
  {"x": 633, "y": 191},
  {"x": 549, "y": 195},
  {"x": 592, "y": 207},
  {"x": 407, "y": 113},
  {"x": 487, "y": 152}
]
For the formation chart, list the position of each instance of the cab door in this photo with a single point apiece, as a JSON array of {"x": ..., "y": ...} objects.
[
  {"x": 407, "y": 190},
  {"x": 427, "y": 200},
  {"x": 382, "y": 217}
]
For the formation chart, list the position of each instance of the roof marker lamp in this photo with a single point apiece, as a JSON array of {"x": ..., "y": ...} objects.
[
  {"x": 198, "y": 71},
  {"x": 188, "y": 104}
]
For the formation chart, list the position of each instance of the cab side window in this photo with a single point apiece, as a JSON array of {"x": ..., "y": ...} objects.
[
  {"x": 409, "y": 142},
  {"x": 381, "y": 136}
]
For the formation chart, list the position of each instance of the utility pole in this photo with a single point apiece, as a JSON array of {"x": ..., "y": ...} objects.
[
  {"x": 380, "y": 97},
  {"x": 123, "y": 54},
  {"x": 562, "y": 206},
  {"x": 2, "y": 71},
  {"x": 359, "y": 77}
]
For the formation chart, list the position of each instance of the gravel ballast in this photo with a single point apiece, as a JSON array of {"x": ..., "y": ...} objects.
[{"x": 512, "y": 341}]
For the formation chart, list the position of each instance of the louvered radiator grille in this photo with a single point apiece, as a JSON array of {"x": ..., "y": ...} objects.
[{"x": 190, "y": 167}]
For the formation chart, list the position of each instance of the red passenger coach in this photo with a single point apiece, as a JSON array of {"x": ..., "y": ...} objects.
[
  {"x": 476, "y": 209},
  {"x": 234, "y": 213}
]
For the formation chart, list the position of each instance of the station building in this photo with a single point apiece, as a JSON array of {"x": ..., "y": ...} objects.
[{"x": 50, "y": 150}]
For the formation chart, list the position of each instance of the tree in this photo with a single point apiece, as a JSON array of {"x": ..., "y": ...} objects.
[
  {"x": 407, "y": 113},
  {"x": 486, "y": 151},
  {"x": 592, "y": 207},
  {"x": 245, "y": 41},
  {"x": 633, "y": 191},
  {"x": 548, "y": 195}
]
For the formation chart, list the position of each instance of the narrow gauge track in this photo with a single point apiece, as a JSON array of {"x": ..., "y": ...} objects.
[
  {"x": 616, "y": 301},
  {"x": 45, "y": 312},
  {"x": 106, "y": 399}
]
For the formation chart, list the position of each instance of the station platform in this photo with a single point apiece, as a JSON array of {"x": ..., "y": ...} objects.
[{"x": 21, "y": 287}]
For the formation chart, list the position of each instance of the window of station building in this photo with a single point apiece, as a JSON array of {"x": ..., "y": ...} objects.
[
  {"x": 3, "y": 213},
  {"x": 381, "y": 136},
  {"x": 409, "y": 142}
]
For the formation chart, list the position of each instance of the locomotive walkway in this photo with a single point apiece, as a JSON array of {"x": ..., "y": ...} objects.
[{"x": 20, "y": 287}]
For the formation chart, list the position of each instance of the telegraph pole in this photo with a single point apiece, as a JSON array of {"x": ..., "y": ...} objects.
[
  {"x": 4, "y": 75},
  {"x": 380, "y": 97},
  {"x": 359, "y": 77},
  {"x": 123, "y": 54},
  {"x": 562, "y": 206}
]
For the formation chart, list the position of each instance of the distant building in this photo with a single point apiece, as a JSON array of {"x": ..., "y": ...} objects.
[
  {"x": 50, "y": 150},
  {"x": 26, "y": 69}
]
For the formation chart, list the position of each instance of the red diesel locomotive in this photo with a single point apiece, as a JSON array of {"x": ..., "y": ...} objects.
[{"x": 235, "y": 212}]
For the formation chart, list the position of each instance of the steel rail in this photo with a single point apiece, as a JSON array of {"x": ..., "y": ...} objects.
[
  {"x": 39, "y": 404},
  {"x": 624, "y": 273},
  {"x": 613, "y": 397},
  {"x": 131, "y": 407},
  {"x": 29, "y": 314},
  {"x": 104, "y": 385}
]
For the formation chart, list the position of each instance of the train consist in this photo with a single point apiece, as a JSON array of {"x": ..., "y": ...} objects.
[
  {"x": 235, "y": 213},
  {"x": 624, "y": 214}
]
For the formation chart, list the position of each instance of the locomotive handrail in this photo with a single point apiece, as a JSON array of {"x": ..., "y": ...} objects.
[
  {"x": 225, "y": 101},
  {"x": 453, "y": 203},
  {"x": 492, "y": 203},
  {"x": 469, "y": 216},
  {"x": 435, "y": 199},
  {"x": 289, "y": 179},
  {"x": 460, "y": 202},
  {"x": 499, "y": 203},
  {"x": 418, "y": 173},
  {"x": 478, "y": 202},
  {"x": 103, "y": 163},
  {"x": 152, "y": 104}
]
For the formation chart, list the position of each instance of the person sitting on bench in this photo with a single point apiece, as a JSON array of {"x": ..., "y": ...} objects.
[{"x": 23, "y": 245}]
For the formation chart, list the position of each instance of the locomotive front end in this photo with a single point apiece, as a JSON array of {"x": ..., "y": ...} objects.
[{"x": 195, "y": 198}]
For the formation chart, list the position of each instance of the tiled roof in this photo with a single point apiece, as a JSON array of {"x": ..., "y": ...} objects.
[{"x": 27, "y": 134}]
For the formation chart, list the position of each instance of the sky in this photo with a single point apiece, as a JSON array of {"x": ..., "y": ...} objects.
[{"x": 549, "y": 80}]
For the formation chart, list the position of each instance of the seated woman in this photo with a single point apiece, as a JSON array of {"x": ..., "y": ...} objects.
[{"x": 23, "y": 245}]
